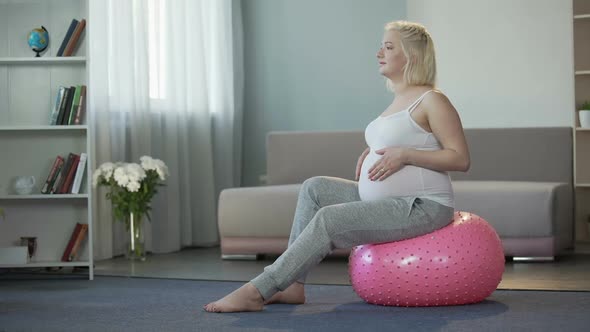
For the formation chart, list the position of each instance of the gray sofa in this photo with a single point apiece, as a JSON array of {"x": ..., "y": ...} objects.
[{"x": 520, "y": 181}]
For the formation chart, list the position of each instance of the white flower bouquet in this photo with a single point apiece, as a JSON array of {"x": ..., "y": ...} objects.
[
  {"x": 132, "y": 188},
  {"x": 132, "y": 185}
]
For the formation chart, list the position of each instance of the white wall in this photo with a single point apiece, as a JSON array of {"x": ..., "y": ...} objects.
[
  {"x": 503, "y": 63},
  {"x": 310, "y": 65}
]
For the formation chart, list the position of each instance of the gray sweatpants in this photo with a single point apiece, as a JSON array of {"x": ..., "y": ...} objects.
[{"x": 331, "y": 215}]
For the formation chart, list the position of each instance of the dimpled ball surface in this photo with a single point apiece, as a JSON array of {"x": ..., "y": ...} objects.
[{"x": 458, "y": 264}]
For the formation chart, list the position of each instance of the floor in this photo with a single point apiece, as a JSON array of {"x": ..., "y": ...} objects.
[{"x": 568, "y": 272}]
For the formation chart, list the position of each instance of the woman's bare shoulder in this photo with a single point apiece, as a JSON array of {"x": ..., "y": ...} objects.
[{"x": 437, "y": 99}]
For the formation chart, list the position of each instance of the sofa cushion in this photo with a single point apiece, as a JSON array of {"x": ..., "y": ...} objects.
[{"x": 513, "y": 208}]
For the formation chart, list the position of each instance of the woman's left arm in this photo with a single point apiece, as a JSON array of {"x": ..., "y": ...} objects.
[{"x": 446, "y": 126}]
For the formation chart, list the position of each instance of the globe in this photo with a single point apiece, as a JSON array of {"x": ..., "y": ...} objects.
[{"x": 38, "y": 40}]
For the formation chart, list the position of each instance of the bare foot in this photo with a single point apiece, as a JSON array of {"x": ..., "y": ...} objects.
[
  {"x": 245, "y": 298},
  {"x": 294, "y": 294}
]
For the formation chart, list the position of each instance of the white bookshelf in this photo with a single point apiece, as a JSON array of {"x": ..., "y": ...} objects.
[
  {"x": 581, "y": 29},
  {"x": 28, "y": 144},
  {"x": 48, "y": 264},
  {"x": 42, "y": 196},
  {"x": 43, "y": 60},
  {"x": 43, "y": 127}
]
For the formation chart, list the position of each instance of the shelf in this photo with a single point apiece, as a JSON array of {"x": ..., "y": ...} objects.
[
  {"x": 44, "y": 127},
  {"x": 582, "y": 72},
  {"x": 581, "y": 17},
  {"x": 582, "y": 185},
  {"x": 28, "y": 139},
  {"x": 44, "y": 196},
  {"x": 42, "y": 60},
  {"x": 47, "y": 264}
]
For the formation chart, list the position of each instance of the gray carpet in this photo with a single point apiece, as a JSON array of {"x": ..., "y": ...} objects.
[{"x": 136, "y": 304}]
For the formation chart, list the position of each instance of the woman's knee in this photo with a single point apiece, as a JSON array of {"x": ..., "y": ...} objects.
[
  {"x": 327, "y": 218},
  {"x": 315, "y": 181},
  {"x": 312, "y": 184}
]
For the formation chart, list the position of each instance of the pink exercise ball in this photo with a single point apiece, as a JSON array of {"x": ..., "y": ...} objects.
[{"x": 460, "y": 263}]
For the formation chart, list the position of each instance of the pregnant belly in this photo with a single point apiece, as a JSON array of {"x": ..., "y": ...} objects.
[{"x": 408, "y": 181}]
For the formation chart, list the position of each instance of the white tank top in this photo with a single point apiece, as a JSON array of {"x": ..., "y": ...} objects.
[{"x": 399, "y": 129}]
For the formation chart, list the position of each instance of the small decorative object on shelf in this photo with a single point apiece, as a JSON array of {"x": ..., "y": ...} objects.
[
  {"x": 23, "y": 185},
  {"x": 2, "y": 215},
  {"x": 31, "y": 243},
  {"x": 584, "y": 113},
  {"x": 38, "y": 40},
  {"x": 132, "y": 187}
]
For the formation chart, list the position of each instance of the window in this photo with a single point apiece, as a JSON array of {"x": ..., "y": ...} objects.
[{"x": 157, "y": 49}]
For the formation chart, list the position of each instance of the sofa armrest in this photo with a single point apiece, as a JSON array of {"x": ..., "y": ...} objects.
[
  {"x": 520, "y": 208},
  {"x": 265, "y": 211}
]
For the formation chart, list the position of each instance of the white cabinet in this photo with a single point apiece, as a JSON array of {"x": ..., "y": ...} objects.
[{"x": 28, "y": 144}]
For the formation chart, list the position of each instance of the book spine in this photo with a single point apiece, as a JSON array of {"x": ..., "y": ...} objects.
[
  {"x": 69, "y": 102},
  {"x": 56, "y": 106},
  {"x": 66, "y": 39},
  {"x": 70, "y": 177},
  {"x": 59, "y": 182},
  {"x": 62, "y": 106},
  {"x": 79, "y": 173},
  {"x": 81, "y": 107},
  {"x": 71, "y": 46},
  {"x": 66, "y": 255},
  {"x": 78, "y": 242},
  {"x": 52, "y": 174},
  {"x": 75, "y": 104},
  {"x": 58, "y": 177}
]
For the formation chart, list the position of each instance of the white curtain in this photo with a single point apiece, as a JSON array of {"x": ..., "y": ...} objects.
[{"x": 165, "y": 80}]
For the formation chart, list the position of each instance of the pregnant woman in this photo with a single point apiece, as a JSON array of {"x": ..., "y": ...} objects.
[{"x": 402, "y": 190}]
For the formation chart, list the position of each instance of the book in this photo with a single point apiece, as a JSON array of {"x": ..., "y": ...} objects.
[
  {"x": 55, "y": 189},
  {"x": 67, "y": 185},
  {"x": 78, "y": 242},
  {"x": 52, "y": 174},
  {"x": 56, "y": 106},
  {"x": 68, "y": 108},
  {"x": 75, "y": 105},
  {"x": 62, "y": 106},
  {"x": 73, "y": 42},
  {"x": 68, "y": 250},
  {"x": 79, "y": 173},
  {"x": 60, "y": 172},
  {"x": 81, "y": 107},
  {"x": 66, "y": 39}
]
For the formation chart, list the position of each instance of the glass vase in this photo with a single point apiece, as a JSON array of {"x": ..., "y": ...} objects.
[{"x": 136, "y": 243}]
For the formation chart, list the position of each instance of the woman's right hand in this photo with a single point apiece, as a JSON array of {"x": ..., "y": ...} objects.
[{"x": 359, "y": 163}]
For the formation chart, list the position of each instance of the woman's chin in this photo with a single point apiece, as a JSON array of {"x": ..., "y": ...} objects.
[{"x": 385, "y": 72}]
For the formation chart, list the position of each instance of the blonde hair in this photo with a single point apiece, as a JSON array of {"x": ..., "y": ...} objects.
[{"x": 418, "y": 48}]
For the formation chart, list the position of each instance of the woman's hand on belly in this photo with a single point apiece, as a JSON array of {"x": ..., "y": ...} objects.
[{"x": 392, "y": 161}]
